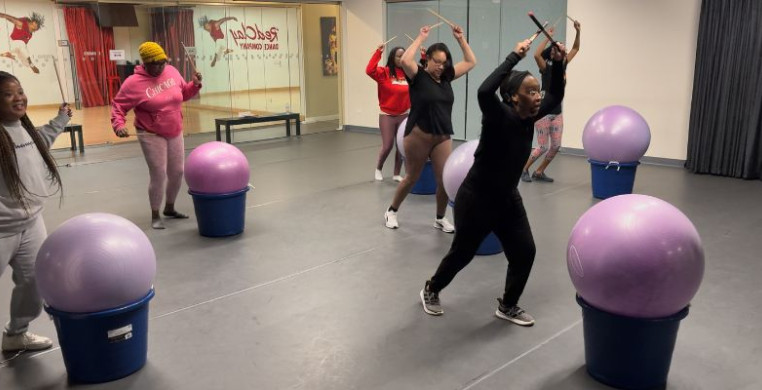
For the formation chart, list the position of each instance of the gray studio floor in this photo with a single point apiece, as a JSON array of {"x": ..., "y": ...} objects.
[{"x": 318, "y": 294}]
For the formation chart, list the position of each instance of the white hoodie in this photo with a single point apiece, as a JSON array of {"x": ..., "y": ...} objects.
[{"x": 33, "y": 173}]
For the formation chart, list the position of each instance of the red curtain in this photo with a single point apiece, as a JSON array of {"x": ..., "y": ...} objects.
[
  {"x": 171, "y": 28},
  {"x": 91, "y": 45}
]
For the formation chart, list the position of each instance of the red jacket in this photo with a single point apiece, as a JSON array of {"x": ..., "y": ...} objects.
[{"x": 393, "y": 96}]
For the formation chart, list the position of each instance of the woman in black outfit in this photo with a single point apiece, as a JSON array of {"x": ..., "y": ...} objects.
[
  {"x": 429, "y": 124},
  {"x": 489, "y": 200}
]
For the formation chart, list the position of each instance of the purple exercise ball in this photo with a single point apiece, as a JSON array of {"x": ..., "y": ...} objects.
[
  {"x": 94, "y": 262},
  {"x": 401, "y": 137},
  {"x": 216, "y": 168},
  {"x": 616, "y": 133},
  {"x": 457, "y": 166},
  {"x": 637, "y": 256}
]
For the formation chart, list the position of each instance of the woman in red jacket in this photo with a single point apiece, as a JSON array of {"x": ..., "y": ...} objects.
[{"x": 394, "y": 102}]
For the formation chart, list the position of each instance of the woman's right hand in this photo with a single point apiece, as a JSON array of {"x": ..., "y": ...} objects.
[
  {"x": 424, "y": 33},
  {"x": 522, "y": 48},
  {"x": 122, "y": 133},
  {"x": 381, "y": 47}
]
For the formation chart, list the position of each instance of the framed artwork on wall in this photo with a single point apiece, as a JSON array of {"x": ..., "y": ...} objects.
[{"x": 330, "y": 45}]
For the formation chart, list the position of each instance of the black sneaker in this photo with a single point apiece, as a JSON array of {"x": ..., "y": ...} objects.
[
  {"x": 514, "y": 314},
  {"x": 542, "y": 177},
  {"x": 430, "y": 301},
  {"x": 525, "y": 177}
]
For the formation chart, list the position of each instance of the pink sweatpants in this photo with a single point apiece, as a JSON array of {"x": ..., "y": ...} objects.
[
  {"x": 550, "y": 127},
  {"x": 165, "y": 166}
]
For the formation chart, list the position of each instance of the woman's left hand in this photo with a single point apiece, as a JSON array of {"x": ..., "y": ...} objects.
[
  {"x": 65, "y": 109},
  {"x": 197, "y": 78},
  {"x": 457, "y": 32}
]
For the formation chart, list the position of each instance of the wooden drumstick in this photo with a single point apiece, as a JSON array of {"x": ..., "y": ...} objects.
[
  {"x": 441, "y": 17},
  {"x": 58, "y": 77},
  {"x": 390, "y": 39},
  {"x": 185, "y": 49}
]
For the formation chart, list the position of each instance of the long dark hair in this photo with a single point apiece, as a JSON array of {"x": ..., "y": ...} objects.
[
  {"x": 449, "y": 70},
  {"x": 390, "y": 61},
  {"x": 9, "y": 163}
]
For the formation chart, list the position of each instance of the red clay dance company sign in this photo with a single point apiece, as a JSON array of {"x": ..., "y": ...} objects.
[{"x": 260, "y": 40}]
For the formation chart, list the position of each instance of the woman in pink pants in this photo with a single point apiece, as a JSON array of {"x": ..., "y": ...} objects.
[{"x": 156, "y": 92}]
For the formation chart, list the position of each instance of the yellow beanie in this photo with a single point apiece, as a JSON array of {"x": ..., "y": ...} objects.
[{"x": 151, "y": 52}]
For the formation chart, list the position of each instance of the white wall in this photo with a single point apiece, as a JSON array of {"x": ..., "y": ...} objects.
[
  {"x": 363, "y": 30},
  {"x": 640, "y": 54}
]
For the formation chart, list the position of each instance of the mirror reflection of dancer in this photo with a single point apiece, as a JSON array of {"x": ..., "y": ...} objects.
[
  {"x": 215, "y": 31},
  {"x": 23, "y": 28}
]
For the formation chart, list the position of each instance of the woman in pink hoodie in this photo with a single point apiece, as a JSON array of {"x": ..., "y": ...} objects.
[{"x": 156, "y": 92}]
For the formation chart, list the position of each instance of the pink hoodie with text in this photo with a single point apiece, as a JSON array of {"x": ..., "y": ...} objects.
[{"x": 157, "y": 101}]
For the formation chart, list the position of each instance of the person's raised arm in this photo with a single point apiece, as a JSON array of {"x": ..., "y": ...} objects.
[
  {"x": 488, "y": 100},
  {"x": 373, "y": 70},
  {"x": 538, "y": 53},
  {"x": 469, "y": 59},
  {"x": 575, "y": 47},
  {"x": 409, "y": 65},
  {"x": 16, "y": 21},
  {"x": 225, "y": 19}
]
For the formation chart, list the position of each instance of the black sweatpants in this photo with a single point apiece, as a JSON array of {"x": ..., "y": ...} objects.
[{"x": 477, "y": 213}]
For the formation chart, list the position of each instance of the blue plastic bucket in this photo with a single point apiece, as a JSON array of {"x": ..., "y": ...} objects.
[
  {"x": 612, "y": 178},
  {"x": 106, "y": 345},
  {"x": 220, "y": 215},
  {"x": 626, "y": 352},
  {"x": 427, "y": 183},
  {"x": 490, "y": 246}
]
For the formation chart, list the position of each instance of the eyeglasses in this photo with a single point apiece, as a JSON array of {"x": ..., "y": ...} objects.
[{"x": 156, "y": 64}]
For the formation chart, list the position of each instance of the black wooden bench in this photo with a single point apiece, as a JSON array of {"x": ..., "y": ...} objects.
[
  {"x": 72, "y": 129},
  {"x": 245, "y": 120}
]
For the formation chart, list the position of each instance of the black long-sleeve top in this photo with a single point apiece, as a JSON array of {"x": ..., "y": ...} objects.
[{"x": 506, "y": 139}]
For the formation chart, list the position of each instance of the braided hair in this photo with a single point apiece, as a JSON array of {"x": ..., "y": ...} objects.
[{"x": 9, "y": 163}]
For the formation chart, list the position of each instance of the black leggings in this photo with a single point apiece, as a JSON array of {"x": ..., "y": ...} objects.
[{"x": 477, "y": 213}]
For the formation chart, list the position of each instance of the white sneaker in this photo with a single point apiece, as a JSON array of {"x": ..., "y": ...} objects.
[
  {"x": 397, "y": 178},
  {"x": 444, "y": 225},
  {"x": 26, "y": 341},
  {"x": 391, "y": 219},
  {"x": 379, "y": 176}
]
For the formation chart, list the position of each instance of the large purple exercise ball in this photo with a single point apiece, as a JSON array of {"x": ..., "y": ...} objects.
[
  {"x": 216, "y": 168},
  {"x": 95, "y": 262},
  {"x": 637, "y": 256},
  {"x": 616, "y": 133},
  {"x": 457, "y": 166}
]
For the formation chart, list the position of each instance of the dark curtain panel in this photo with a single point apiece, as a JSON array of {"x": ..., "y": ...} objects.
[
  {"x": 171, "y": 28},
  {"x": 91, "y": 50},
  {"x": 725, "y": 131}
]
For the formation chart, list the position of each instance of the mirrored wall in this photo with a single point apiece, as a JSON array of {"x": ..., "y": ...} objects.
[{"x": 255, "y": 60}]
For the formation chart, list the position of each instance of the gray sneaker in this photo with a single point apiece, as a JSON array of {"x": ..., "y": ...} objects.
[
  {"x": 525, "y": 177},
  {"x": 514, "y": 314},
  {"x": 542, "y": 177},
  {"x": 430, "y": 301}
]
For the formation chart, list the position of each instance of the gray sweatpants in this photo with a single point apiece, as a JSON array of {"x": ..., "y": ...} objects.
[{"x": 20, "y": 252}]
